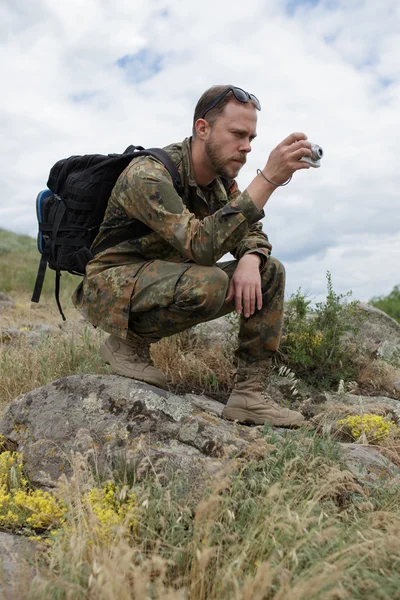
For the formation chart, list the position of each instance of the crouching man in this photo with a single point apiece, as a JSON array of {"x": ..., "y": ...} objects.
[{"x": 144, "y": 289}]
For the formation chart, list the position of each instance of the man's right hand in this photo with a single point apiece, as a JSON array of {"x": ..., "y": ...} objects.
[{"x": 284, "y": 160}]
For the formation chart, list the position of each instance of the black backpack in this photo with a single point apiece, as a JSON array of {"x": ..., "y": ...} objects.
[{"x": 71, "y": 211}]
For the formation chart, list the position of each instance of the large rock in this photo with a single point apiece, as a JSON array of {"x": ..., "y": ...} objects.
[
  {"x": 369, "y": 467},
  {"x": 378, "y": 334},
  {"x": 114, "y": 420}
]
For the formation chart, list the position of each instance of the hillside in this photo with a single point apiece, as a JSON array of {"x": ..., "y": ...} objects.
[{"x": 131, "y": 492}]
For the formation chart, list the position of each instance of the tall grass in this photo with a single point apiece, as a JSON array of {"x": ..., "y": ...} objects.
[
  {"x": 24, "y": 367},
  {"x": 283, "y": 521}
]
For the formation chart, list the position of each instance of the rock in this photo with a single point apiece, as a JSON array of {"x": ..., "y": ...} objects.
[
  {"x": 33, "y": 333},
  {"x": 364, "y": 404},
  {"x": 327, "y": 407},
  {"x": 112, "y": 419},
  {"x": 17, "y": 556},
  {"x": 218, "y": 332},
  {"x": 376, "y": 329},
  {"x": 369, "y": 467}
]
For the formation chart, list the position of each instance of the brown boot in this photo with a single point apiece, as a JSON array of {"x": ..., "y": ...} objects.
[
  {"x": 249, "y": 403},
  {"x": 131, "y": 358}
]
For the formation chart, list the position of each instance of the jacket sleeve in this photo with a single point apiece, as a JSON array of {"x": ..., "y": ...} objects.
[
  {"x": 255, "y": 240},
  {"x": 146, "y": 192}
]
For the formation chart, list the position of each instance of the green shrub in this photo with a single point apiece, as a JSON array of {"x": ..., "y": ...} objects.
[
  {"x": 390, "y": 304},
  {"x": 314, "y": 344}
]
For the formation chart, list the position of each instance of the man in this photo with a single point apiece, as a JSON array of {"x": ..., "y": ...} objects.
[{"x": 169, "y": 280}]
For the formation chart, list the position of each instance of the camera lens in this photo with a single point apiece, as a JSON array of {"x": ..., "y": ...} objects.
[{"x": 317, "y": 152}]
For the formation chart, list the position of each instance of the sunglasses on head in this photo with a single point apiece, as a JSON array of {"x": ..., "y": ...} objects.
[{"x": 239, "y": 94}]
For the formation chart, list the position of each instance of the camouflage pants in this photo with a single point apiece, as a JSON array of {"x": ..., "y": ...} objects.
[{"x": 171, "y": 297}]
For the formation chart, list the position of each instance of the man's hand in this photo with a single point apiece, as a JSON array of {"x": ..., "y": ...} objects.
[
  {"x": 284, "y": 160},
  {"x": 245, "y": 285}
]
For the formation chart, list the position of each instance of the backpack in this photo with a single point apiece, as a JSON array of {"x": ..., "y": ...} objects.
[{"x": 71, "y": 211}]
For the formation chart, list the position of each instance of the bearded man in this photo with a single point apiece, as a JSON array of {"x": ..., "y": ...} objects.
[{"x": 144, "y": 289}]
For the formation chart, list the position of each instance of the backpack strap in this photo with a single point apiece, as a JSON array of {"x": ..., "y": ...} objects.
[
  {"x": 163, "y": 157},
  {"x": 49, "y": 252},
  {"x": 140, "y": 229},
  {"x": 41, "y": 272}
]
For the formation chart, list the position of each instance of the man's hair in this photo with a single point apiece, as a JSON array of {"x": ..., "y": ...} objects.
[{"x": 206, "y": 99}]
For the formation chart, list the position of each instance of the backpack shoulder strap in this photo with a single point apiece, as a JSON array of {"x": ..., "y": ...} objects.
[
  {"x": 166, "y": 160},
  {"x": 140, "y": 228}
]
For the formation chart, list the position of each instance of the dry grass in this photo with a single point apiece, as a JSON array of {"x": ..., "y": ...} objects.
[
  {"x": 192, "y": 366},
  {"x": 285, "y": 521},
  {"x": 377, "y": 377},
  {"x": 288, "y": 524},
  {"x": 25, "y": 366}
]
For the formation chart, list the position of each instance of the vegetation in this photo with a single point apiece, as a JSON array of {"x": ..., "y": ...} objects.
[
  {"x": 24, "y": 366},
  {"x": 316, "y": 344},
  {"x": 369, "y": 428},
  {"x": 390, "y": 304},
  {"x": 285, "y": 519}
]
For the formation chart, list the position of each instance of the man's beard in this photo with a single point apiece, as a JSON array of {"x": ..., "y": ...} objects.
[{"x": 222, "y": 166}]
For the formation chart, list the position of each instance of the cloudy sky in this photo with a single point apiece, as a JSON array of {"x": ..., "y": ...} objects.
[{"x": 95, "y": 76}]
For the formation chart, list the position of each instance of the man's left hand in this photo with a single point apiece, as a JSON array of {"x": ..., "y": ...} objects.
[{"x": 245, "y": 285}]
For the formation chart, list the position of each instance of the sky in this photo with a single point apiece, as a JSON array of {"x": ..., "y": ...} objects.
[{"x": 96, "y": 76}]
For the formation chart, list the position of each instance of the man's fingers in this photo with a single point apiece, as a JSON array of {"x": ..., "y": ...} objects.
[
  {"x": 293, "y": 137},
  {"x": 231, "y": 291},
  {"x": 300, "y": 153},
  {"x": 247, "y": 302},
  {"x": 300, "y": 144},
  {"x": 259, "y": 297},
  {"x": 238, "y": 299},
  {"x": 301, "y": 165}
]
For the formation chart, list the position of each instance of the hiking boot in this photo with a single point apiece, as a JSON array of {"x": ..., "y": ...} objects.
[
  {"x": 250, "y": 404},
  {"x": 131, "y": 358}
]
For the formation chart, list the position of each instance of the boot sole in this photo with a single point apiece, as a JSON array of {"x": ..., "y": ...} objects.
[
  {"x": 247, "y": 417},
  {"x": 108, "y": 358}
]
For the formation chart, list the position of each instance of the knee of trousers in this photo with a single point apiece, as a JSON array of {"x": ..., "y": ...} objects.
[
  {"x": 203, "y": 293},
  {"x": 273, "y": 271}
]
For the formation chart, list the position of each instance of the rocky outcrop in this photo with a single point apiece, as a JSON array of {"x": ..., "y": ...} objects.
[
  {"x": 119, "y": 423},
  {"x": 378, "y": 334},
  {"x": 114, "y": 420},
  {"x": 369, "y": 466}
]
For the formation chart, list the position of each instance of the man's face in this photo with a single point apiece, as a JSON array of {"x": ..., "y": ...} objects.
[{"x": 229, "y": 139}]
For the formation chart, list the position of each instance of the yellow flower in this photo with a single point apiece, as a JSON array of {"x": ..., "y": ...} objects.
[
  {"x": 375, "y": 428},
  {"x": 111, "y": 508}
]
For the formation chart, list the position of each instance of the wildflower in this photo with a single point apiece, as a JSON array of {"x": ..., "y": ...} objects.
[{"x": 375, "y": 428}]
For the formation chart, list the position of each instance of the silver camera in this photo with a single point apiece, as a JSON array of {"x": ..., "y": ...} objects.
[{"x": 315, "y": 159}]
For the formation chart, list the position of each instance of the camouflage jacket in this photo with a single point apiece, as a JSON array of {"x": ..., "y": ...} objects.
[{"x": 200, "y": 227}]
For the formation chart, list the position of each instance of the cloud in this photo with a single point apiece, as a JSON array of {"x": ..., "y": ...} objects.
[{"x": 95, "y": 77}]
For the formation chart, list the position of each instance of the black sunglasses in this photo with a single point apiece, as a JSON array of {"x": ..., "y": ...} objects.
[{"x": 239, "y": 94}]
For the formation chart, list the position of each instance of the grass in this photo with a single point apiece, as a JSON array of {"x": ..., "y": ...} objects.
[
  {"x": 24, "y": 367},
  {"x": 284, "y": 520}
]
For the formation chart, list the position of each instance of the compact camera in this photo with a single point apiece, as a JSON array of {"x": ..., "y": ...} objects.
[{"x": 315, "y": 159}]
